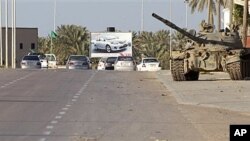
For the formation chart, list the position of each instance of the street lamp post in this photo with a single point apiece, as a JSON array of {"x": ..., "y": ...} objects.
[
  {"x": 186, "y": 1},
  {"x": 170, "y": 40},
  {"x": 13, "y": 33},
  {"x": 142, "y": 15},
  {"x": 1, "y": 40},
  {"x": 6, "y": 34},
  {"x": 54, "y": 28}
]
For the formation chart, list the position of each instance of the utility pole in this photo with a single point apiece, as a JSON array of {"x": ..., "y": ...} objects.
[
  {"x": 14, "y": 11},
  {"x": 245, "y": 23},
  {"x": 142, "y": 15},
  {"x": 13, "y": 39},
  {"x": 6, "y": 34},
  {"x": 1, "y": 35},
  {"x": 170, "y": 38},
  {"x": 54, "y": 28},
  {"x": 186, "y": 1}
]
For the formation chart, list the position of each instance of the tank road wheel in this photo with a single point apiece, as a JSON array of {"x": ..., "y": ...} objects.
[
  {"x": 239, "y": 70},
  {"x": 177, "y": 70}
]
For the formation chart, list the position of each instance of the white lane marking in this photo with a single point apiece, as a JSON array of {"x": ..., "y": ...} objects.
[
  {"x": 47, "y": 132},
  {"x": 68, "y": 105},
  {"x": 62, "y": 113},
  {"x": 58, "y": 117},
  {"x": 49, "y": 127},
  {"x": 65, "y": 109},
  {"x": 54, "y": 122},
  {"x": 43, "y": 139},
  {"x": 14, "y": 81}
]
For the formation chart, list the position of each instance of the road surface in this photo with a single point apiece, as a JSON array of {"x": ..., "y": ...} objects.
[{"x": 68, "y": 105}]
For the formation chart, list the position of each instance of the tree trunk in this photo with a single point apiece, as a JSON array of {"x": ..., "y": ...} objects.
[
  {"x": 219, "y": 15},
  {"x": 209, "y": 12},
  {"x": 245, "y": 25},
  {"x": 231, "y": 7}
]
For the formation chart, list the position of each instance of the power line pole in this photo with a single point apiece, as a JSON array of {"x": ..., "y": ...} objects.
[
  {"x": 13, "y": 39},
  {"x": 170, "y": 40},
  {"x": 186, "y": 1},
  {"x": 14, "y": 11},
  {"x": 142, "y": 15},
  {"x": 54, "y": 28},
  {"x": 6, "y": 34},
  {"x": 1, "y": 35}
]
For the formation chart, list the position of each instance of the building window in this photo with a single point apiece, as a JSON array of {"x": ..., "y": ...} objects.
[
  {"x": 33, "y": 46},
  {"x": 21, "y": 46}
]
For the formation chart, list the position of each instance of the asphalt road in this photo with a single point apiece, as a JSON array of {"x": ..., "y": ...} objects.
[{"x": 63, "y": 105}]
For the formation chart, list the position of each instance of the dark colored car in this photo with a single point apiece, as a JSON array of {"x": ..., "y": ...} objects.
[{"x": 109, "y": 65}]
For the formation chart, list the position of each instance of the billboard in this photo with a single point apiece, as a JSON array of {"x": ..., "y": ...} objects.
[{"x": 110, "y": 44}]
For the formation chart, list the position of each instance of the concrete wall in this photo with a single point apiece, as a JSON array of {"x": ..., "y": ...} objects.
[{"x": 25, "y": 37}]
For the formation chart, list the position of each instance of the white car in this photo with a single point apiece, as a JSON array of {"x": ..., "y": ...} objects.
[
  {"x": 31, "y": 62},
  {"x": 109, "y": 44},
  {"x": 148, "y": 64},
  {"x": 101, "y": 64},
  {"x": 124, "y": 63},
  {"x": 43, "y": 59},
  {"x": 51, "y": 60}
]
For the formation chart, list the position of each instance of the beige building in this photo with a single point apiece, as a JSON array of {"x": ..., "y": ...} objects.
[{"x": 26, "y": 40}]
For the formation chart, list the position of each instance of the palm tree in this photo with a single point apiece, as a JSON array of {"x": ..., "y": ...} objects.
[
  {"x": 201, "y": 4},
  {"x": 245, "y": 24},
  {"x": 151, "y": 44},
  {"x": 219, "y": 4},
  {"x": 71, "y": 39},
  {"x": 44, "y": 45}
]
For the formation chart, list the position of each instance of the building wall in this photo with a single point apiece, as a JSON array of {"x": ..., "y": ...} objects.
[{"x": 26, "y": 39}]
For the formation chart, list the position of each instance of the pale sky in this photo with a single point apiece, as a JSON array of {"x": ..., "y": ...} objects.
[{"x": 97, "y": 15}]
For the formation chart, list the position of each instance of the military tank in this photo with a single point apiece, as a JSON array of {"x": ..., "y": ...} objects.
[{"x": 209, "y": 51}]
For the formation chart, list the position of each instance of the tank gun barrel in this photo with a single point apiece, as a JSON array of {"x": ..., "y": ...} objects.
[
  {"x": 172, "y": 25},
  {"x": 187, "y": 34}
]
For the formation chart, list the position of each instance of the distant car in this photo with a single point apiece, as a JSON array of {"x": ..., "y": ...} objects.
[
  {"x": 30, "y": 62},
  {"x": 78, "y": 62},
  {"x": 148, "y": 64},
  {"x": 124, "y": 63},
  {"x": 101, "y": 64},
  {"x": 42, "y": 58},
  {"x": 110, "y": 44},
  {"x": 109, "y": 65},
  {"x": 51, "y": 60}
]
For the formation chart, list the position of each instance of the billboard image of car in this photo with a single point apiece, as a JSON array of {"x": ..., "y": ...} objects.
[{"x": 111, "y": 44}]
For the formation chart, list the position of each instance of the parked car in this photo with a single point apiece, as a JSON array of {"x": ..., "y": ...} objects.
[
  {"x": 148, "y": 64},
  {"x": 101, "y": 64},
  {"x": 110, "y": 44},
  {"x": 109, "y": 65},
  {"x": 124, "y": 63},
  {"x": 30, "y": 62},
  {"x": 78, "y": 62},
  {"x": 42, "y": 58},
  {"x": 51, "y": 60}
]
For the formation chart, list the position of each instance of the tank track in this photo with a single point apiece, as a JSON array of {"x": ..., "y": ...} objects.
[
  {"x": 239, "y": 70},
  {"x": 177, "y": 71}
]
